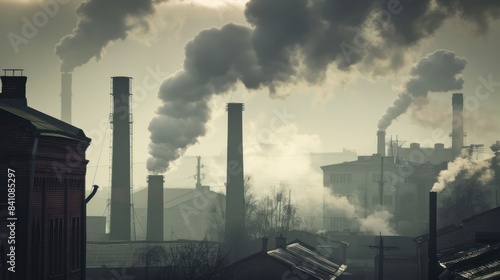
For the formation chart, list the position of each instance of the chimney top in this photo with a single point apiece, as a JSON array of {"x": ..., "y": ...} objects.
[
  {"x": 264, "y": 244},
  {"x": 439, "y": 146},
  {"x": 414, "y": 146},
  {"x": 13, "y": 72},
  {"x": 235, "y": 106},
  {"x": 14, "y": 87},
  {"x": 280, "y": 241}
]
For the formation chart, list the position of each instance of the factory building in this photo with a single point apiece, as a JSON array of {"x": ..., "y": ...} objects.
[
  {"x": 422, "y": 155},
  {"x": 398, "y": 182},
  {"x": 187, "y": 213},
  {"x": 44, "y": 158},
  {"x": 403, "y": 192}
]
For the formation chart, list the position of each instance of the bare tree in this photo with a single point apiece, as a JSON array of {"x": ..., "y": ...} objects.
[
  {"x": 270, "y": 215},
  {"x": 275, "y": 213},
  {"x": 462, "y": 200},
  {"x": 201, "y": 260},
  {"x": 195, "y": 260},
  {"x": 311, "y": 214},
  {"x": 150, "y": 256}
]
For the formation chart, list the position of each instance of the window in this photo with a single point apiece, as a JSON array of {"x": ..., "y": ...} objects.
[
  {"x": 56, "y": 249},
  {"x": 75, "y": 243},
  {"x": 344, "y": 178},
  {"x": 339, "y": 223}
]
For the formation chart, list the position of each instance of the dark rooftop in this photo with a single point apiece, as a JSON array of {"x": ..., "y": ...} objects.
[{"x": 43, "y": 123}]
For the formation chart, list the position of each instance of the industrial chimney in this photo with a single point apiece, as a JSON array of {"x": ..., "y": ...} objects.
[
  {"x": 121, "y": 168},
  {"x": 457, "y": 134},
  {"x": 66, "y": 97},
  {"x": 433, "y": 266},
  {"x": 14, "y": 87},
  {"x": 155, "y": 208},
  {"x": 381, "y": 143},
  {"x": 235, "y": 200}
]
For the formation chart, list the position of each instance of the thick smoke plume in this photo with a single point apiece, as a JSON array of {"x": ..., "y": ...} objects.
[
  {"x": 293, "y": 40},
  {"x": 436, "y": 72},
  {"x": 99, "y": 23},
  {"x": 377, "y": 222},
  {"x": 468, "y": 167},
  {"x": 340, "y": 206}
]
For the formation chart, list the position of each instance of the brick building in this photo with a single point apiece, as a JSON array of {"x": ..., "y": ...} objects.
[{"x": 45, "y": 160}]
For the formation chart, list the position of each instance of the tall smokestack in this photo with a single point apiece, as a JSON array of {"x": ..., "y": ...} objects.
[
  {"x": 155, "y": 208},
  {"x": 432, "y": 249},
  {"x": 457, "y": 134},
  {"x": 235, "y": 200},
  {"x": 381, "y": 143},
  {"x": 120, "y": 177},
  {"x": 14, "y": 87},
  {"x": 66, "y": 80}
]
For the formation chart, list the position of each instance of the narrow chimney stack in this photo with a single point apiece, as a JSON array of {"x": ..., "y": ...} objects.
[
  {"x": 14, "y": 87},
  {"x": 264, "y": 244},
  {"x": 66, "y": 95},
  {"x": 457, "y": 133},
  {"x": 155, "y": 208},
  {"x": 381, "y": 143},
  {"x": 235, "y": 232},
  {"x": 280, "y": 241},
  {"x": 120, "y": 175},
  {"x": 432, "y": 244}
]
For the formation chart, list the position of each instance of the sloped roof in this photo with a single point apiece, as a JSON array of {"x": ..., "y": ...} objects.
[
  {"x": 307, "y": 260},
  {"x": 43, "y": 123},
  {"x": 441, "y": 231},
  {"x": 473, "y": 261},
  {"x": 493, "y": 211}
]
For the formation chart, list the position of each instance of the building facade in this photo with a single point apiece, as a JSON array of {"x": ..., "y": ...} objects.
[
  {"x": 403, "y": 191},
  {"x": 43, "y": 161}
]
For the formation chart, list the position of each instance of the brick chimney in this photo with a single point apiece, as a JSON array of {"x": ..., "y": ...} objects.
[{"x": 14, "y": 88}]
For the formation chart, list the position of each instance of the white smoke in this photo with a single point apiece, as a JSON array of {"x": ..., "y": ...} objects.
[
  {"x": 377, "y": 222},
  {"x": 339, "y": 205},
  {"x": 439, "y": 71},
  {"x": 466, "y": 166}
]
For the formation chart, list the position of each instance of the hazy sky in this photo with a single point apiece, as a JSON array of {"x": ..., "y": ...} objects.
[{"x": 331, "y": 105}]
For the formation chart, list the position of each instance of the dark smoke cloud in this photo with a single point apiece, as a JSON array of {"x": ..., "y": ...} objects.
[
  {"x": 436, "y": 72},
  {"x": 292, "y": 40},
  {"x": 99, "y": 23},
  {"x": 215, "y": 60}
]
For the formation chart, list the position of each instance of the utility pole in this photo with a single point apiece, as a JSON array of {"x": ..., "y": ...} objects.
[
  {"x": 381, "y": 258},
  {"x": 288, "y": 210},
  {"x": 381, "y": 248}
]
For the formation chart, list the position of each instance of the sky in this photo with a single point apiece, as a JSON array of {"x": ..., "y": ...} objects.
[{"x": 314, "y": 78}]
